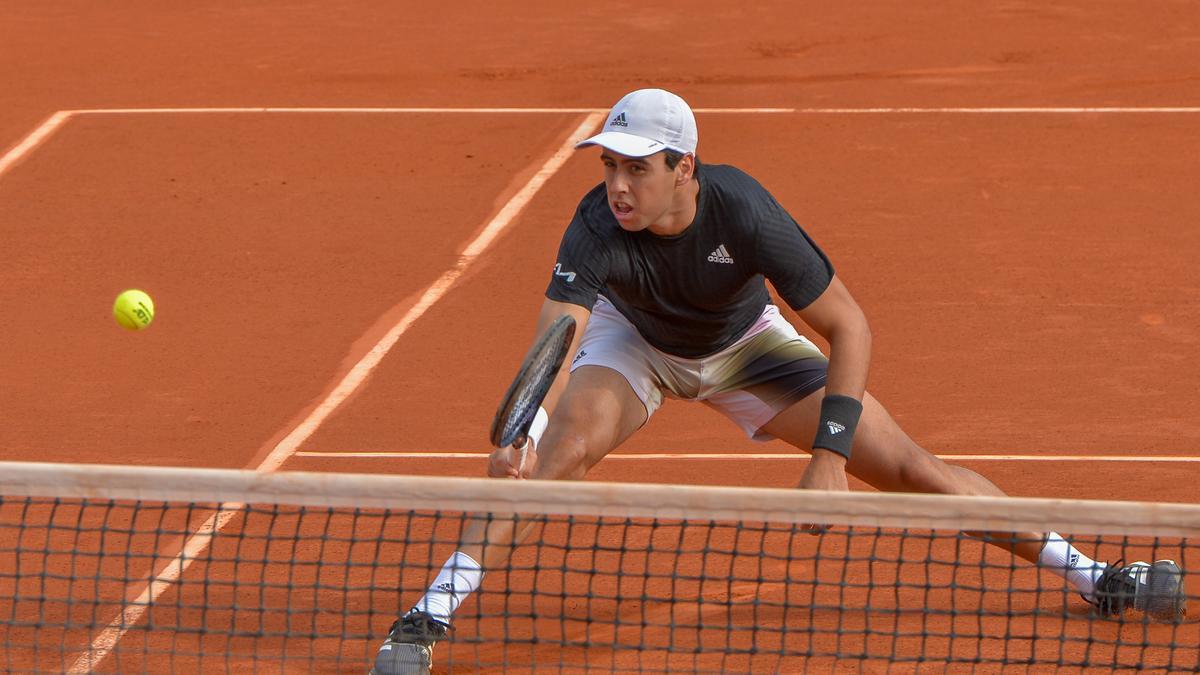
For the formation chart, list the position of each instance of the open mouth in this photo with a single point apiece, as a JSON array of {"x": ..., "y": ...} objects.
[{"x": 621, "y": 209}]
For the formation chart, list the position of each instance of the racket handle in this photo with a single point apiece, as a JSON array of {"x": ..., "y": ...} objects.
[{"x": 522, "y": 444}]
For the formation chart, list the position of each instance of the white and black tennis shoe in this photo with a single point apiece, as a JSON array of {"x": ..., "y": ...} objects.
[
  {"x": 408, "y": 649},
  {"x": 1156, "y": 590}
]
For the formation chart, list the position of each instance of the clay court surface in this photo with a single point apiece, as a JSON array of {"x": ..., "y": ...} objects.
[{"x": 1029, "y": 275}]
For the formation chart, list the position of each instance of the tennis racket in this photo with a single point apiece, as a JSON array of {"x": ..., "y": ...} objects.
[{"x": 528, "y": 390}]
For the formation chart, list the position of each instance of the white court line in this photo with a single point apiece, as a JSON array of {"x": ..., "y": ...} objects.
[
  {"x": 1030, "y": 110},
  {"x": 498, "y": 224},
  {"x": 195, "y": 545},
  {"x": 488, "y": 111},
  {"x": 132, "y": 612},
  {"x": 57, "y": 119},
  {"x": 34, "y": 139},
  {"x": 760, "y": 456},
  {"x": 40, "y": 134},
  {"x": 995, "y": 111}
]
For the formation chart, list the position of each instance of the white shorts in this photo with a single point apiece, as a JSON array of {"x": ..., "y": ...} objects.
[{"x": 767, "y": 370}]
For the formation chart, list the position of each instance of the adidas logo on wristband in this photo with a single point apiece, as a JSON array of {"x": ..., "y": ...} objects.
[{"x": 834, "y": 427}]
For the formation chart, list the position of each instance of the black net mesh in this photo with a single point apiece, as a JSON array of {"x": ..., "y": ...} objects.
[{"x": 194, "y": 586}]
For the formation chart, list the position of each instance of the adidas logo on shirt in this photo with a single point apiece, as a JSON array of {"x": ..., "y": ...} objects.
[
  {"x": 618, "y": 121},
  {"x": 720, "y": 256}
]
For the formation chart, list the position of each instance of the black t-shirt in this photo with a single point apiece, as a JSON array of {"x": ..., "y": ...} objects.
[{"x": 695, "y": 293}]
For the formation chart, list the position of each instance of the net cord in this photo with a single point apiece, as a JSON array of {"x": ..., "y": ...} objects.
[{"x": 590, "y": 498}]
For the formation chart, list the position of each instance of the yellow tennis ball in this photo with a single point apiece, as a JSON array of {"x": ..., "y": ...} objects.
[{"x": 133, "y": 309}]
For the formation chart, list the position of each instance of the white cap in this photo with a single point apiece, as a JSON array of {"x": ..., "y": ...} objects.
[{"x": 648, "y": 121}]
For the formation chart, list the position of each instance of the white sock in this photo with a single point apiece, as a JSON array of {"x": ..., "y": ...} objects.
[
  {"x": 459, "y": 577},
  {"x": 1060, "y": 557}
]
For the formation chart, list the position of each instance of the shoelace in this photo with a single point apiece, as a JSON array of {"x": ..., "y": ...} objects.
[
  {"x": 421, "y": 627},
  {"x": 1115, "y": 590}
]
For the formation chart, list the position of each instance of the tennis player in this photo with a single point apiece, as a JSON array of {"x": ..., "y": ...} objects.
[{"x": 663, "y": 267}]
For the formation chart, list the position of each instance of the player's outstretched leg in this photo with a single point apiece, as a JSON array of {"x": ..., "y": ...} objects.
[
  {"x": 887, "y": 459},
  {"x": 597, "y": 412}
]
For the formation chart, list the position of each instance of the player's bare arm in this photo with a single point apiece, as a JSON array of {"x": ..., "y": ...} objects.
[
  {"x": 506, "y": 462},
  {"x": 835, "y": 316}
]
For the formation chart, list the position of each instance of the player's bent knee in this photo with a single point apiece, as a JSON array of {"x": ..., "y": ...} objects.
[
  {"x": 593, "y": 417},
  {"x": 564, "y": 457},
  {"x": 564, "y": 450}
]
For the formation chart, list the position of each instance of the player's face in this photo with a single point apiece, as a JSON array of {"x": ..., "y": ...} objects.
[{"x": 640, "y": 189}]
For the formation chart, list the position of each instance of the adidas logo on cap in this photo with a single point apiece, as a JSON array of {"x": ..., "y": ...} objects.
[{"x": 646, "y": 121}]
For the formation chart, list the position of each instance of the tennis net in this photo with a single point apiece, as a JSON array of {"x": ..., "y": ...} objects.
[{"x": 181, "y": 570}]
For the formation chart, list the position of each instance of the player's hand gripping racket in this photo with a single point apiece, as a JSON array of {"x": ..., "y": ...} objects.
[{"x": 528, "y": 390}]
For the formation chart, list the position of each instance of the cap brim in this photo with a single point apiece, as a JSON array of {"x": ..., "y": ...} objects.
[{"x": 624, "y": 144}]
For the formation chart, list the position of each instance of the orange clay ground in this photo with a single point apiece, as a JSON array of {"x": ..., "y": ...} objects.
[{"x": 1030, "y": 278}]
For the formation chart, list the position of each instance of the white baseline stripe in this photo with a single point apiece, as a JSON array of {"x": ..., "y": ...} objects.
[
  {"x": 762, "y": 456},
  {"x": 996, "y": 111},
  {"x": 34, "y": 139},
  {"x": 195, "y": 545},
  {"x": 487, "y": 111},
  {"x": 1030, "y": 110}
]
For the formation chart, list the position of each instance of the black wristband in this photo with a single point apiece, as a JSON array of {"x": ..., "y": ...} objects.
[{"x": 839, "y": 419}]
